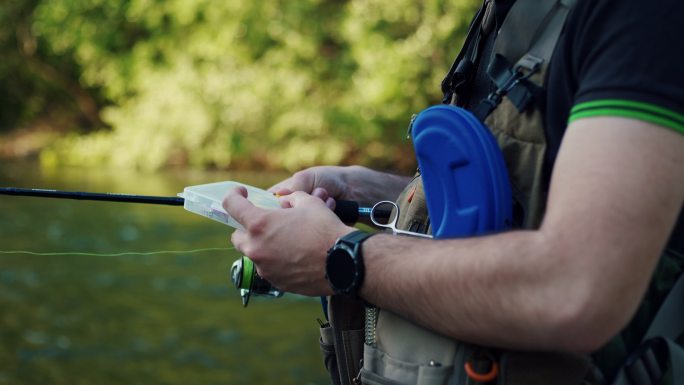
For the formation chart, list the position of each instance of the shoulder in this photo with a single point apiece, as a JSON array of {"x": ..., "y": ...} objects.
[
  {"x": 634, "y": 27},
  {"x": 626, "y": 58}
]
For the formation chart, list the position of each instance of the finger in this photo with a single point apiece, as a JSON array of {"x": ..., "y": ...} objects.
[
  {"x": 284, "y": 202},
  {"x": 297, "y": 198},
  {"x": 300, "y": 181},
  {"x": 320, "y": 192},
  {"x": 282, "y": 191},
  {"x": 280, "y": 186},
  {"x": 330, "y": 202},
  {"x": 238, "y": 206},
  {"x": 239, "y": 239}
]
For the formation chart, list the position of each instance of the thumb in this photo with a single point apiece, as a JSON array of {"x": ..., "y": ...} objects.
[
  {"x": 303, "y": 180},
  {"x": 298, "y": 198},
  {"x": 238, "y": 206}
]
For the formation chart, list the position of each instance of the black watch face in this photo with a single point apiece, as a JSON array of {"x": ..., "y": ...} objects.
[{"x": 341, "y": 269}]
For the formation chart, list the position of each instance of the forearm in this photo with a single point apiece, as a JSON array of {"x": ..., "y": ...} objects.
[
  {"x": 488, "y": 290},
  {"x": 519, "y": 290},
  {"x": 368, "y": 186}
]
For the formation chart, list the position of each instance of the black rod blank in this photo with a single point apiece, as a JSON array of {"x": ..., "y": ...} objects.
[{"x": 109, "y": 197}]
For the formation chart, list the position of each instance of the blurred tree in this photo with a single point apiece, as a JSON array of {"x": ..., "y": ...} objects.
[
  {"x": 264, "y": 83},
  {"x": 35, "y": 81}
]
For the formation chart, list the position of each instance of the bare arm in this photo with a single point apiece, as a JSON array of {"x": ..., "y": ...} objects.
[{"x": 617, "y": 188}]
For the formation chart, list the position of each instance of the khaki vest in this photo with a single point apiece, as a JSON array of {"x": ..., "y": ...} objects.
[{"x": 405, "y": 353}]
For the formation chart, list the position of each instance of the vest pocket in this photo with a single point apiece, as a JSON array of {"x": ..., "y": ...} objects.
[
  {"x": 381, "y": 369},
  {"x": 345, "y": 354},
  {"x": 327, "y": 344},
  {"x": 368, "y": 378}
]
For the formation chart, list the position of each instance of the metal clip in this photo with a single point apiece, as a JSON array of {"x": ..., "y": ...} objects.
[
  {"x": 357, "y": 380},
  {"x": 410, "y": 126}
]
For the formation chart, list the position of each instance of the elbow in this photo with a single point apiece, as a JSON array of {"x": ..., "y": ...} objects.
[
  {"x": 583, "y": 340},
  {"x": 584, "y": 306}
]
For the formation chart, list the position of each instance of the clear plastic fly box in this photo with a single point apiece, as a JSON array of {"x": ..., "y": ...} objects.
[{"x": 206, "y": 199}]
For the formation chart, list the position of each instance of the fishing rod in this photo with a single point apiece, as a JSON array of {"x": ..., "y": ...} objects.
[
  {"x": 206, "y": 200},
  {"x": 347, "y": 211}
]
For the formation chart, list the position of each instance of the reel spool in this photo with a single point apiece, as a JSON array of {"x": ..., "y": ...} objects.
[{"x": 245, "y": 278}]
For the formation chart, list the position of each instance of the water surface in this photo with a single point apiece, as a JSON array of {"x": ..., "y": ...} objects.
[{"x": 159, "y": 319}]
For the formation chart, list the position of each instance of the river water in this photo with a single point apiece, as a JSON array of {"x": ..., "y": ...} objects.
[{"x": 155, "y": 319}]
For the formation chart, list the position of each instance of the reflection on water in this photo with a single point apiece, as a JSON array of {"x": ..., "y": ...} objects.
[{"x": 154, "y": 319}]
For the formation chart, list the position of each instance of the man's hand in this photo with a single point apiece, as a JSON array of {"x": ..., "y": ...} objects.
[
  {"x": 325, "y": 182},
  {"x": 287, "y": 246},
  {"x": 356, "y": 183}
]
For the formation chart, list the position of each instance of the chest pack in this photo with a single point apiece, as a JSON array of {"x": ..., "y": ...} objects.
[{"x": 498, "y": 75}]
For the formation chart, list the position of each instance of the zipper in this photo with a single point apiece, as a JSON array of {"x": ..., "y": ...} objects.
[{"x": 371, "y": 325}]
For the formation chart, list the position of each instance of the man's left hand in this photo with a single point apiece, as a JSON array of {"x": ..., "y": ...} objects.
[{"x": 288, "y": 246}]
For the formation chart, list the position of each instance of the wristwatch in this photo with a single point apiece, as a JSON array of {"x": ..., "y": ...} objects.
[{"x": 344, "y": 268}]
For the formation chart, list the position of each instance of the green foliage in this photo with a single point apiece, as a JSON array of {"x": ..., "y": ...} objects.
[
  {"x": 279, "y": 84},
  {"x": 32, "y": 79}
]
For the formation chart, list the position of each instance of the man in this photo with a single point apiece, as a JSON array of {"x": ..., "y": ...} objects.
[{"x": 615, "y": 117}]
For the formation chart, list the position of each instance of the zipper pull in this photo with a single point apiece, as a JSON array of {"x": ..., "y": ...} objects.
[
  {"x": 410, "y": 126},
  {"x": 357, "y": 380}
]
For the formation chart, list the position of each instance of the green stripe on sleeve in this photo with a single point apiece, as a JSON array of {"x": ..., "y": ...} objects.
[
  {"x": 628, "y": 114},
  {"x": 629, "y": 109},
  {"x": 629, "y": 104}
]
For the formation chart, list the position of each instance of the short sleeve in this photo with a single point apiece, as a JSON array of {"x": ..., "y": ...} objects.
[{"x": 628, "y": 60}]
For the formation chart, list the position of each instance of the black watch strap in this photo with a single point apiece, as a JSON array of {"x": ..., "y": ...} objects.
[{"x": 357, "y": 237}]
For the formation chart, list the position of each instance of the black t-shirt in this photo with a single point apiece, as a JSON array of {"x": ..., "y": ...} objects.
[{"x": 621, "y": 58}]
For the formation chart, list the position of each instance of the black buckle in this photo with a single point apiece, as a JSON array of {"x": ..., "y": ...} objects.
[
  {"x": 456, "y": 79},
  {"x": 511, "y": 81},
  {"x": 530, "y": 63}
]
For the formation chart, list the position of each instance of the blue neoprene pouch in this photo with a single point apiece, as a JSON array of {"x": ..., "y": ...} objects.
[{"x": 464, "y": 175}]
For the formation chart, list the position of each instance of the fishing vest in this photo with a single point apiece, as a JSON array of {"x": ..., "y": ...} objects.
[{"x": 363, "y": 344}]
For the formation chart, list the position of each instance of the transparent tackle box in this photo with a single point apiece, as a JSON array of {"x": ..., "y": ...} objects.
[{"x": 206, "y": 199}]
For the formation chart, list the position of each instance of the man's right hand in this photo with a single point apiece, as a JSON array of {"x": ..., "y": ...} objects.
[
  {"x": 325, "y": 182},
  {"x": 355, "y": 183}
]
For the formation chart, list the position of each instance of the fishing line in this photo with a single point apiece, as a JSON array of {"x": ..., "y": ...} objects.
[{"x": 136, "y": 253}]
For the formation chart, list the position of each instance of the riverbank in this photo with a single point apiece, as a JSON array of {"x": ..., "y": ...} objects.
[{"x": 26, "y": 143}]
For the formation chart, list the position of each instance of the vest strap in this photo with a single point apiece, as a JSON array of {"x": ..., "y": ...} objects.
[
  {"x": 648, "y": 365},
  {"x": 346, "y": 320},
  {"x": 669, "y": 321},
  {"x": 515, "y": 36},
  {"x": 528, "y": 48},
  {"x": 460, "y": 75}
]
